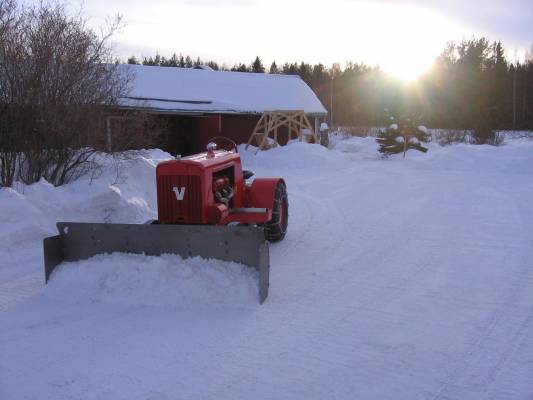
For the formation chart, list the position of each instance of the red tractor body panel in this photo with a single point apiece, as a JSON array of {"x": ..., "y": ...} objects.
[
  {"x": 261, "y": 191},
  {"x": 190, "y": 191}
]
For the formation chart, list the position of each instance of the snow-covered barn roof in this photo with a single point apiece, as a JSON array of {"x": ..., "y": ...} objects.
[{"x": 187, "y": 90}]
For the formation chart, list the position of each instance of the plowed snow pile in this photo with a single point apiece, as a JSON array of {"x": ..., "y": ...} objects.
[
  {"x": 398, "y": 279},
  {"x": 138, "y": 280}
]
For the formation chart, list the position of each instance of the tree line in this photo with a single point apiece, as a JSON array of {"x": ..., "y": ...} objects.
[{"x": 470, "y": 84}]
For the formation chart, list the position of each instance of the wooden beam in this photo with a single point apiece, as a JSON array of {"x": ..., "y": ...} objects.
[
  {"x": 255, "y": 131},
  {"x": 295, "y": 121}
]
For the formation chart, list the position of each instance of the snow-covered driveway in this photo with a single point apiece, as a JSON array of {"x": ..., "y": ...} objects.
[{"x": 398, "y": 279}]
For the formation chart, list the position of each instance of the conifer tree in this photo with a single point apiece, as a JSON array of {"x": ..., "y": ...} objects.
[
  {"x": 305, "y": 71},
  {"x": 240, "y": 68},
  {"x": 404, "y": 135},
  {"x": 290, "y": 69},
  {"x": 274, "y": 68},
  {"x": 214, "y": 65},
  {"x": 173, "y": 61},
  {"x": 148, "y": 61},
  {"x": 257, "y": 66}
]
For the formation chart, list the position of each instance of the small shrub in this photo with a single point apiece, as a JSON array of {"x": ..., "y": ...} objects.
[
  {"x": 484, "y": 134},
  {"x": 359, "y": 131},
  {"x": 448, "y": 137}
]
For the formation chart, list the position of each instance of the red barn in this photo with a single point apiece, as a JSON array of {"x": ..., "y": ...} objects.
[{"x": 198, "y": 104}]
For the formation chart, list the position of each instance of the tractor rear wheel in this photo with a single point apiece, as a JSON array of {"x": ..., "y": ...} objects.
[{"x": 276, "y": 228}]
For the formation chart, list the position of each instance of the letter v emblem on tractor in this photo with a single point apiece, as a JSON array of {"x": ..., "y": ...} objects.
[{"x": 180, "y": 192}]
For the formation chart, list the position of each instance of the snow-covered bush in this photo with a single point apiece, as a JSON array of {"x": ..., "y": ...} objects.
[{"x": 403, "y": 135}]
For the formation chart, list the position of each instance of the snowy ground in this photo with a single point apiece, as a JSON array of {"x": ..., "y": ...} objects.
[{"x": 398, "y": 279}]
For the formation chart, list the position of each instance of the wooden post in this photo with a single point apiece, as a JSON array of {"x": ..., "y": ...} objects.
[
  {"x": 300, "y": 130},
  {"x": 265, "y": 134},
  {"x": 255, "y": 131},
  {"x": 108, "y": 133}
]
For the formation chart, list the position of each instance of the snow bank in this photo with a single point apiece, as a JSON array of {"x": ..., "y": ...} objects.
[
  {"x": 364, "y": 147},
  {"x": 294, "y": 158},
  {"x": 123, "y": 192}
]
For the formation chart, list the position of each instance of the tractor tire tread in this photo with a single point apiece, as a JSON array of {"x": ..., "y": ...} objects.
[{"x": 275, "y": 229}]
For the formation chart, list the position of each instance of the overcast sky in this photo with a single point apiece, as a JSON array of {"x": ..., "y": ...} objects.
[{"x": 376, "y": 32}]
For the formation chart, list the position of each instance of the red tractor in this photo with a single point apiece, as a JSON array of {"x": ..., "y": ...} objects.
[
  {"x": 205, "y": 208},
  {"x": 211, "y": 189}
]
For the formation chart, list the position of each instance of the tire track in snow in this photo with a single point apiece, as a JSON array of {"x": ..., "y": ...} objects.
[
  {"x": 395, "y": 238},
  {"x": 521, "y": 333},
  {"x": 498, "y": 319},
  {"x": 321, "y": 214},
  {"x": 511, "y": 349},
  {"x": 292, "y": 260}
]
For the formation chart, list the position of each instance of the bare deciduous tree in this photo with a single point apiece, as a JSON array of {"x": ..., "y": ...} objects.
[
  {"x": 57, "y": 77},
  {"x": 9, "y": 24}
]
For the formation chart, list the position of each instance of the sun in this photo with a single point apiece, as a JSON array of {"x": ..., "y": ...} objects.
[
  {"x": 407, "y": 70},
  {"x": 406, "y": 42}
]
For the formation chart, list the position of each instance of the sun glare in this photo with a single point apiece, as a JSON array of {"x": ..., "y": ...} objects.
[
  {"x": 409, "y": 40},
  {"x": 406, "y": 70},
  {"x": 403, "y": 40}
]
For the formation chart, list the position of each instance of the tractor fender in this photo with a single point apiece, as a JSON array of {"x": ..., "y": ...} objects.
[{"x": 262, "y": 192}]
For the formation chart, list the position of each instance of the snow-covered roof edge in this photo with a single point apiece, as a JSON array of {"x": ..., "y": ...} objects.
[{"x": 187, "y": 90}]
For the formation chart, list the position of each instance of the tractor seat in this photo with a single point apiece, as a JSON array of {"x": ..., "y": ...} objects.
[{"x": 246, "y": 174}]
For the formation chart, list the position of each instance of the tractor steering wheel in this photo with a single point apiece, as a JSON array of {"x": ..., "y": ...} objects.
[{"x": 224, "y": 143}]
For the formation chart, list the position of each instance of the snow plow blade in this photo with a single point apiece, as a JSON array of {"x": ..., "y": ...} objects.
[{"x": 241, "y": 244}]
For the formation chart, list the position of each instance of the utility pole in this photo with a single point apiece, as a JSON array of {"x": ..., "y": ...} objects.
[
  {"x": 514, "y": 95},
  {"x": 331, "y": 101}
]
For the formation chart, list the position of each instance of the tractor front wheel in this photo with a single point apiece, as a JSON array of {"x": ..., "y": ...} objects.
[{"x": 276, "y": 228}]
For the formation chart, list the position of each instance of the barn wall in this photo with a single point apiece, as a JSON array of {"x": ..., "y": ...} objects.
[
  {"x": 238, "y": 127},
  {"x": 208, "y": 127},
  {"x": 186, "y": 134}
]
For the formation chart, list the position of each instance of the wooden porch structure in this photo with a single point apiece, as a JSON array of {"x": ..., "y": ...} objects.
[{"x": 267, "y": 128}]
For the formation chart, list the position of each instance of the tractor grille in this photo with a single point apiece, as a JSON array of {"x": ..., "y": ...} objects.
[{"x": 185, "y": 211}]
